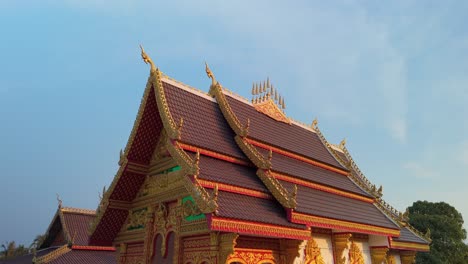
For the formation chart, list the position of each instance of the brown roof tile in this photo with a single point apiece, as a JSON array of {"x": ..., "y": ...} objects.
[
  {"x": 77, "y": 226},
  {"x": 407, "y": 236},
  {"x": 213, "y": 169},
  {"x": 87, "y": 256},
  {"x": 318, "y": 203},
  {"x": 289, "y": 137},
  {"x": 309, "y": 172},
  {"x": 204, "y": 124},
  {"x": 254, "y": 209}
]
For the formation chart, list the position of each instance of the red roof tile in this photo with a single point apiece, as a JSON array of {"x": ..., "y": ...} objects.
[
  {"x": 204, "y": 124},
  {"x": 407, "y": 236},
  {"x": 309, "y": 172},
  {"x": 216, "y": 170},
  {"x": 77, "y": 226},
  {"x": 318, "y": 203},
  {"x": 253, "y": 209},
  {"x": 86, "y": 256},
  {"x": 289, "y": 137}
]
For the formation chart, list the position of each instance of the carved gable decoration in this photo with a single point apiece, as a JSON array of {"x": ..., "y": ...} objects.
[
  {"x": 355, "y": 254},
  {"x": 267, "y": 101},
  {"x": 312, "y": 253}
]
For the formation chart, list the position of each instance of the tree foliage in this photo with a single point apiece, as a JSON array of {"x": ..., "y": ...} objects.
[
  {"x": 446, "y": 227},
  {"x": 10, "y": 250}
]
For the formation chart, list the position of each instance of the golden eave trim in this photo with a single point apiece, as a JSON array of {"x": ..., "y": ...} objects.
[
  {"x": 234, "y": 189},
  {"x": 52, "y": 255},
  {"x": 321, "y": 187},
  {"x": 296, "y": 156},
  {"x": 255, "y": 228},
  {"x": 318, "y": 221},
  {"x": 172, "y": 129},
  {"x": 213, "y": 154},
  {"x": 408, "y": 246}
]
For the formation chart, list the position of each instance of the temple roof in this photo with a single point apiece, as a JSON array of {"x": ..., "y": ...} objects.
[
  {"x": 261, "y": 165},
  {"x": 67, "y": 241}
]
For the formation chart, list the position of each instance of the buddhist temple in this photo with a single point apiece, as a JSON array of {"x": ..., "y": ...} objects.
[
  {"x": 66, "y": 241},
  {"x": 213, "y": 178}
]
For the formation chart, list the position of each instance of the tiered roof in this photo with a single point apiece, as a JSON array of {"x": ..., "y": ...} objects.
[
  {"x": 254, "y": 173},
  {"x": 67, "y": 241}
]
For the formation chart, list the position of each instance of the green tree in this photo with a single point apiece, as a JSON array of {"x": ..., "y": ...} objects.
[{"x": 446, "y": 228}]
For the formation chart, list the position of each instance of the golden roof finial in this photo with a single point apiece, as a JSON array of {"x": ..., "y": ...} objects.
[
  {"x": 314, "y": 123},
  {"x": 253, "y": 89},
  {"x": 268, "y": 82},
  {"x": 121, "y": 157},
  {"x": 215, "y": 193},
  {"x": 342, "y": 143},
  {"x": 147, "y": 60},
  {"x": 210, "y": 74}
]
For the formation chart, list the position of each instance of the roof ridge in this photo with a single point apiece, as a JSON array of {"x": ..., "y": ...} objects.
[{"x": 75, "y": 210}]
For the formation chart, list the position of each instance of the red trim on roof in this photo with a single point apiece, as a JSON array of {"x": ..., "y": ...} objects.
[
  {"x": 95, "y": 248},
  {"x": 296, "y": 156}
]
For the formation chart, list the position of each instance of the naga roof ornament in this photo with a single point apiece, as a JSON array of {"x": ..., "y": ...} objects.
[
  {"x": 147, "y": 60},
  {"x": 267, "y": 100}
]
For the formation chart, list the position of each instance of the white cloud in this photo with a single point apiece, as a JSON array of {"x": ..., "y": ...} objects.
[{"x": 419, "y": 170}]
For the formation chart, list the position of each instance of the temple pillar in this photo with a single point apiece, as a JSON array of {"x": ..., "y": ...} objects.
[
  {"x": 227, "y": 242},
  {"x": 407, "y": 257},
  {"x": 340, "y": 243},
  {"x": 378, "y": 254},
  {"x": 291, "y": 251}
]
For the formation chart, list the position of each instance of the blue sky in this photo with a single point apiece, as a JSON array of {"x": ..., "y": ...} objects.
[{"x": 391, "y": 78}]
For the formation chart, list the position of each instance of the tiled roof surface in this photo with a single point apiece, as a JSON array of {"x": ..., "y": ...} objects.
[
  {"x": 204, "y": 124},
  {"x": 86, "y": 256},
  {"x": 318, "y": 203},
  {"x": 254, "y": 209},
  {"x": 213, "y": 169},
  {"x": 311, "y": 173},
  {"x": 407, "y": 236},
  {"x": 289, "y": 137},
  {"x": 77, "y": 226},
  {"x": 28, "y": 258}
]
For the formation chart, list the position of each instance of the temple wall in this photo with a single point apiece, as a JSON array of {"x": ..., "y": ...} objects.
[
  {"x": 395, "y": 257},
  {"x": 325, "y": 245},
  {"x": 364, "y": 246}
]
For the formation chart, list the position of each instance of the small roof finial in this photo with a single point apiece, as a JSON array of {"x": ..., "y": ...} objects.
[
  {"x": 147, "y": 59},
  {"x": 210, "y": 74},
  {"x": 314, "y": 123},
  {"x": 59, "y": 201},
  {"x": 343, "y": 143}
]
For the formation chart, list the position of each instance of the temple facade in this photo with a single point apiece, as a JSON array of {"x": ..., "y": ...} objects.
[{"x": 215, "y": 178}]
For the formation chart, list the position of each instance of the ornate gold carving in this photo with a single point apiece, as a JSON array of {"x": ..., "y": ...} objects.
[
  {"x": 147, "y": 60},
  {"x": 314, "y": 124},
  {"x": 312, "y": 253},
  {"x": 253, "y": 154},
  {"x": 185, "y": 161},
  {"x": 227, "y": 242},
  {"x": 378, "y": 254},
  {"x": 210, "y": 75},
  {"x": 137, "y": 219},
  {"x": 171, "y": 127},
  {"x": 217, "y": 92},
  {"x": 290, "y": 250},
  {"x": 253, "y": 257},
  {"x": 390, "y": 259},
  {"x": 408, "y": 257},
  {"x": 286, "y": 199},
  {"x": 206, "y": 202},
  {"x": 267, "y": 101},
  {"x": 161, "y": 182},
  {"x": 355, "y": 254},
  {"x": 341, "y": 242}
]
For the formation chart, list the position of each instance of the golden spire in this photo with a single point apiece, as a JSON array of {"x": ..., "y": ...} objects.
[
  {"x": 210, "y": 74},
  {"x": 253, "y": 89},
  {"x": 147, "y": 60}
]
